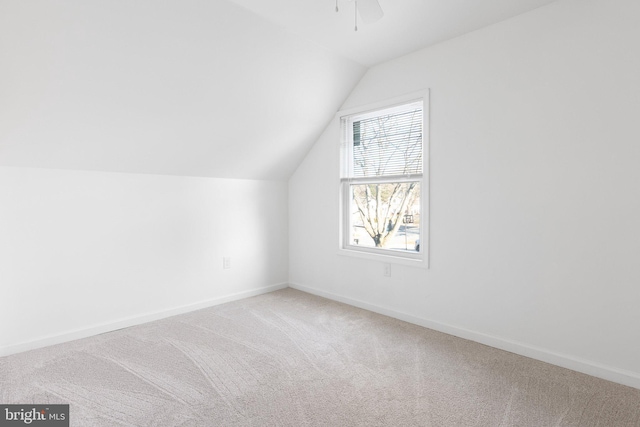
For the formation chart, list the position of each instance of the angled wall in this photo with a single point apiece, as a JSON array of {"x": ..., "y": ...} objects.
[
  {"x": 189, "y": 88},
  {"x": 534, "y": 191}
]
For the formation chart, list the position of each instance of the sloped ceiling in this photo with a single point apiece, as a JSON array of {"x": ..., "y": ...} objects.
[
  {"x": 407, "y": 25},
  {"x": 188, "y": 87},
  {"x": 219, "y": 88}
]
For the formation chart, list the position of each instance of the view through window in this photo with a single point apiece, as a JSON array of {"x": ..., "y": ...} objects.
[{"x": 382, "y": 180}]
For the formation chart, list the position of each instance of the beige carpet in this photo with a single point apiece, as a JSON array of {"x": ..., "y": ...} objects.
[{"x": 293, "y": 359}]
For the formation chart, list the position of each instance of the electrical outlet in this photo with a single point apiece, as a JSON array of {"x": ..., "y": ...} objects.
[
  {"x": 226, "y": 262},
  {"x": 387, "y": 270}
]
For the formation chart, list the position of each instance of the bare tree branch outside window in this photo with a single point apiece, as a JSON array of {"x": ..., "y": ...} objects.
[{"x": 386, "y": 146}]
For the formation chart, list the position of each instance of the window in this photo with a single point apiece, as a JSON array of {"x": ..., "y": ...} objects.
[{"x": 382, "y": 182}]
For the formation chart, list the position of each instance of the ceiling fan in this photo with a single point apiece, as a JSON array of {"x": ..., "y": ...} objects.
[{"x": 369, "y": 11}]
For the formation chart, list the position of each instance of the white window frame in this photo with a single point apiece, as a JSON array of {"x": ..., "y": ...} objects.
[{"x": 415, "y": 259}]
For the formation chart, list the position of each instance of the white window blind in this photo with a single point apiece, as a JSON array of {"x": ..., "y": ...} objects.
[{"x": 387, "y": 144}]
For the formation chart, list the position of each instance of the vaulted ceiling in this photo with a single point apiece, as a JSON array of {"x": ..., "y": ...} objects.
[
  {"x": 407, "y": 25},
  {"x": 220, "y": 88}
]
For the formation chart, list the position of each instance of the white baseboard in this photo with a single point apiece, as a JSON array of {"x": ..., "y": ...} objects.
[
  {"x": 131, "y": 321},
  {"x": 628, "y": 378}
]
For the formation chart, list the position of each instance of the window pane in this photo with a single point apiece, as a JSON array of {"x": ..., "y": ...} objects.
[
  {"x": 388, "y": 144},
  {"x": 385, "y": 215}
]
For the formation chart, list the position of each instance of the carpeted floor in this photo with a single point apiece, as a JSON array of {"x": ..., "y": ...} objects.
[{"x": 292, "y": 359}]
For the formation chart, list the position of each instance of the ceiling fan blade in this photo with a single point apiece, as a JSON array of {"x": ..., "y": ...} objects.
[{"x": 370, "y": 11}]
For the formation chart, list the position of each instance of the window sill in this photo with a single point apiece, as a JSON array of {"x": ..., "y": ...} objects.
[{"x": 417, "y": 262}]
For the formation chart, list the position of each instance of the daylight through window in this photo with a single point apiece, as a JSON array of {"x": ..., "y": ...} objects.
[{"x": 382, "y": 180}]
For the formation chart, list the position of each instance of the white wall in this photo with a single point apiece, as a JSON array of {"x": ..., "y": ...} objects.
[
  {"x": 86, "y": 252},
  {"x": 535, "y": 198}
]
